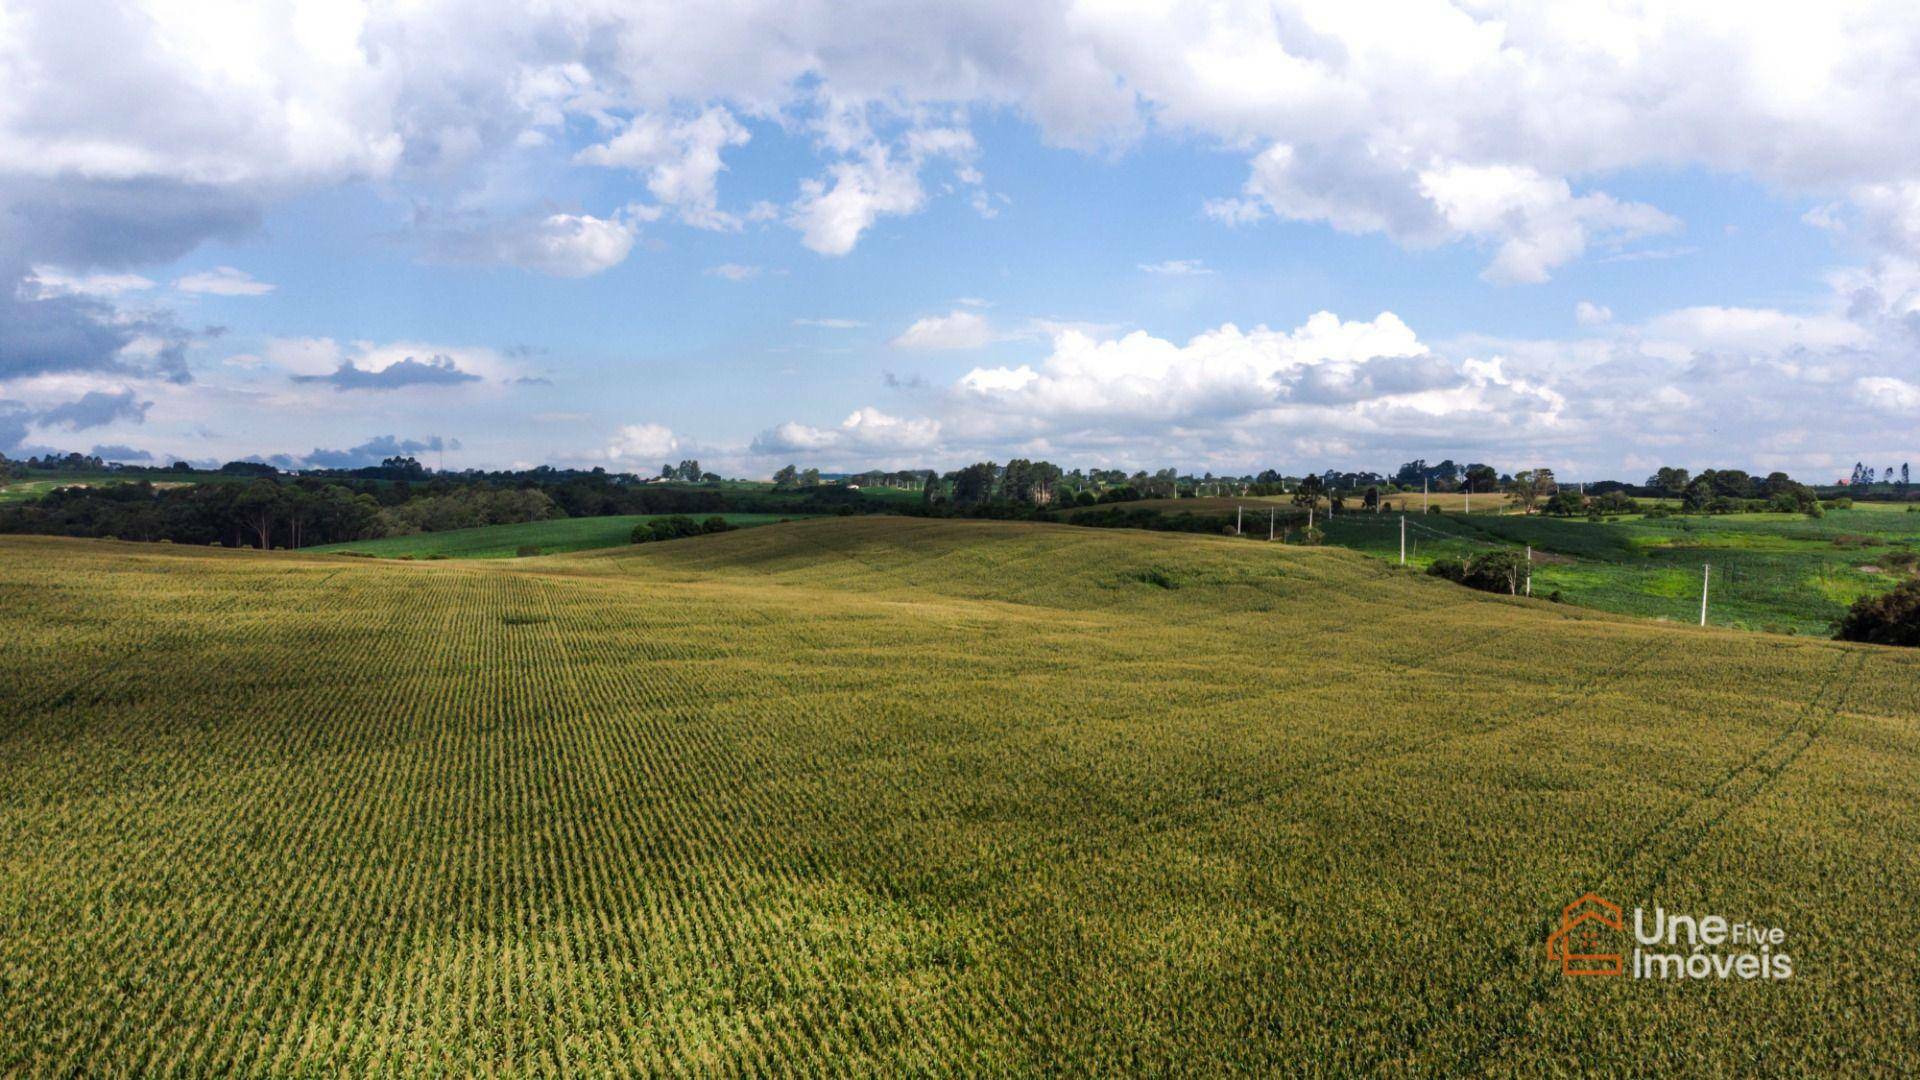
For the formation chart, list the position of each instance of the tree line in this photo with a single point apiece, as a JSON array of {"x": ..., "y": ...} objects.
[{"x": 289, "y": 512}]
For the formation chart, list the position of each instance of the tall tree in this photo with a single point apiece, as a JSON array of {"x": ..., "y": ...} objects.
[
  {"x": 258, "y": 507},
  {"x": 1016, "y": 481},
  {"x": 1671, "y": 480},
  {"x": 1529, "y": 486},
  {"x": 973, "y": 485},
  {"x": 1731, "y": 483},
  {"x": 1309, "y": 490}
]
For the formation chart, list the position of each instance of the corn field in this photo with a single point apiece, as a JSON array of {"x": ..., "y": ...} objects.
[{"x": 893, "y": 795}]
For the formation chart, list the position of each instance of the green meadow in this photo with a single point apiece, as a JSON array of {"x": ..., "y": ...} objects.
[
  {"x": 1779, "y": 572},
  {"x": 506, "y": 541}
]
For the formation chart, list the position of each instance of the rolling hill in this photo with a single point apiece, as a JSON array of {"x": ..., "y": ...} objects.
[
  {"x": 505, "y": 541},
  {"x": 891, "y": 795}
]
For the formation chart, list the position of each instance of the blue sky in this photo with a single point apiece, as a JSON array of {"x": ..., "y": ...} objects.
[{"x": 849, "y": 239}]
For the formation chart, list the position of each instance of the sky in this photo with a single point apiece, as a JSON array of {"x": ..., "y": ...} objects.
[{"x": 1596, "y": 237}]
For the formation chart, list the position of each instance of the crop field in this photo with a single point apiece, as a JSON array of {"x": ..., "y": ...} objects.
[
  {"x": 37, "y": 482},
  {"x": 1778, "y": 572},
  {"x": 1452, "y": 502},
  {"x": 1257, "y": 505},
  {"x": 505, "y": 541},
  {"x": 877, "y": 492},
  {"x": 1204, "y": 504},
  {"x": 23, "y": 490},
  {"x": 893, "y": 795},
  {"x": 28, "y": 489},
  {"x": 1889, "y": 507}
]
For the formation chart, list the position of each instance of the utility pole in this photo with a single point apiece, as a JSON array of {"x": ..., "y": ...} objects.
[
  {"x": 1270, "y": 513},
  {"x": 1310, "y": 517},
  {"x": 1423, "y": 494},
  {"x": 1529, "y": 569},
  {"x": 1469, "y": 486},
  {"x": 1238, "y": 512},
  {"x": 1403, "y": 539},
  {"x": 1706, "y": 575}
]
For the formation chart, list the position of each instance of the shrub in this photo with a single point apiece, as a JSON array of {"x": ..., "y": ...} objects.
[
  {"x": 525, "y": 550},
  {"x": 718, "y": 524},
  {"x": 1615, "y": 502},
  {"x": 1495, "y": 571},
  {"x": 1154, "y": 575},
  {"x": 1891, "y": 618},
  {"x": 666, "y": 528},
  {"x": 1565, "y": 503}
]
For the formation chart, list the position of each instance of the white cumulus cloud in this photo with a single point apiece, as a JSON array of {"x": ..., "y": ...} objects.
[
  {"x": 681, "y": 160},
  {"x": 49, "y": 280},
  {"x": 643, "y": 445},
  {"x": 570, "y": 245},
  {"x": 1176, "y": 267},
  {"x": 223, "y": 281},
  {"x": 955, "y": 330},
  {"x": 867, "y": 431},
  {"x": 1889, "y": 394}
]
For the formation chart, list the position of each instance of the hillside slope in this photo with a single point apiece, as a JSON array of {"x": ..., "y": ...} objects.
[
  {"x": 506, "y": 541},
  {"x": 893, "y": 794}
]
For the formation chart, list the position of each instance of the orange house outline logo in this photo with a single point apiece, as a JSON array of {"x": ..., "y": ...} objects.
[{"x": 1577, "y": 945}]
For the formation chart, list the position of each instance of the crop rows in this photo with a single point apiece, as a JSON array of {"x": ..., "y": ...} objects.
[{"x": 902, "y": 795}]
